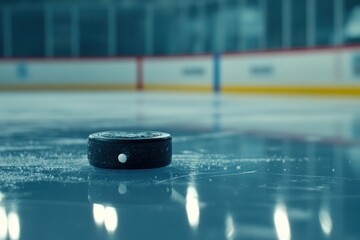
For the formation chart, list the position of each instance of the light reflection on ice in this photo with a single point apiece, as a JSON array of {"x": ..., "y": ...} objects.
[
  {"x": 192, "y": 207},
  {"x": 105, "y": 216},
  {"x": 14, "y": 225},
  {"x": 3, "y": 223},
  {"x": 229, "y": 227},
  {"x": 325, "y": 221},
  {"x": 281, "y": 221},
  {"x": 111, "y": 219},
  {"x": 98, "y": 214}
]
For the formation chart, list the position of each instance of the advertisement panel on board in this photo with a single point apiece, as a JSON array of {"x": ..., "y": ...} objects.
[{"x": 356, "y": 65}]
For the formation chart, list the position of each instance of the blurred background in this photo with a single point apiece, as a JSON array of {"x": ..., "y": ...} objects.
[
  {"x": 64, "y": 28},
  {"x": 58, "y": 29}
]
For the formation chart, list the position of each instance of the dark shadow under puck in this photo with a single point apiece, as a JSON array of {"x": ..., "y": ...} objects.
[{"x": 129, "y": 149}]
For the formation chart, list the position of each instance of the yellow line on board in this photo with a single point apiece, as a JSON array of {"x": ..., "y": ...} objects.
[
  {"x": 295, "y": 90},
  {"x": 186, "y": 88},
  {"x": 243, "y": 89},
  {"x": 66, "y": 87}
]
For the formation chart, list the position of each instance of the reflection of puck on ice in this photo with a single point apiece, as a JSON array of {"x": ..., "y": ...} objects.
[
  {"x": 129, "y": 150},
  {"x": 130, "y": 187}
]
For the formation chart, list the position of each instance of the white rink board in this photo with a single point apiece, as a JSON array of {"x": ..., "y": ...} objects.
[
  {"x": 68, "y": 71},
  {"x": 281, "y": 68},
  {"x": 178, "y": 71},
  {"x": 333, "y": 67}
]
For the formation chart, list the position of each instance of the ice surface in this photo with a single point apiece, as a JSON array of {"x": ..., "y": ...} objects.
[{"x": 237, "y": 162}]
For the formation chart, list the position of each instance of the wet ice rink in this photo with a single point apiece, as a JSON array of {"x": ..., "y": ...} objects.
[{"x": 244, "y": 167}]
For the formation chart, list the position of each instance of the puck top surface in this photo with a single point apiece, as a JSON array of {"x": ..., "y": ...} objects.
[{"x": 129, "y": 135}]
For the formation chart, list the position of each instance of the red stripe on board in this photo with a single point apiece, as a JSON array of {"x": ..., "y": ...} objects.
[
  {"x": 294, "y": 50},
  {"x": 199, "y": 55},
  {"x": 139, "y": 73},
  {"x": 64, "y": 59},
  {"x": 185, "y": 55}
]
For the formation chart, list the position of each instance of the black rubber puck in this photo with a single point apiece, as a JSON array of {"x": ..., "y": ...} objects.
[{"x": 130, "y": 149}]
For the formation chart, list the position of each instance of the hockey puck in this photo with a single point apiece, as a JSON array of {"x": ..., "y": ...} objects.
[{"x": 130, "y": 149}]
